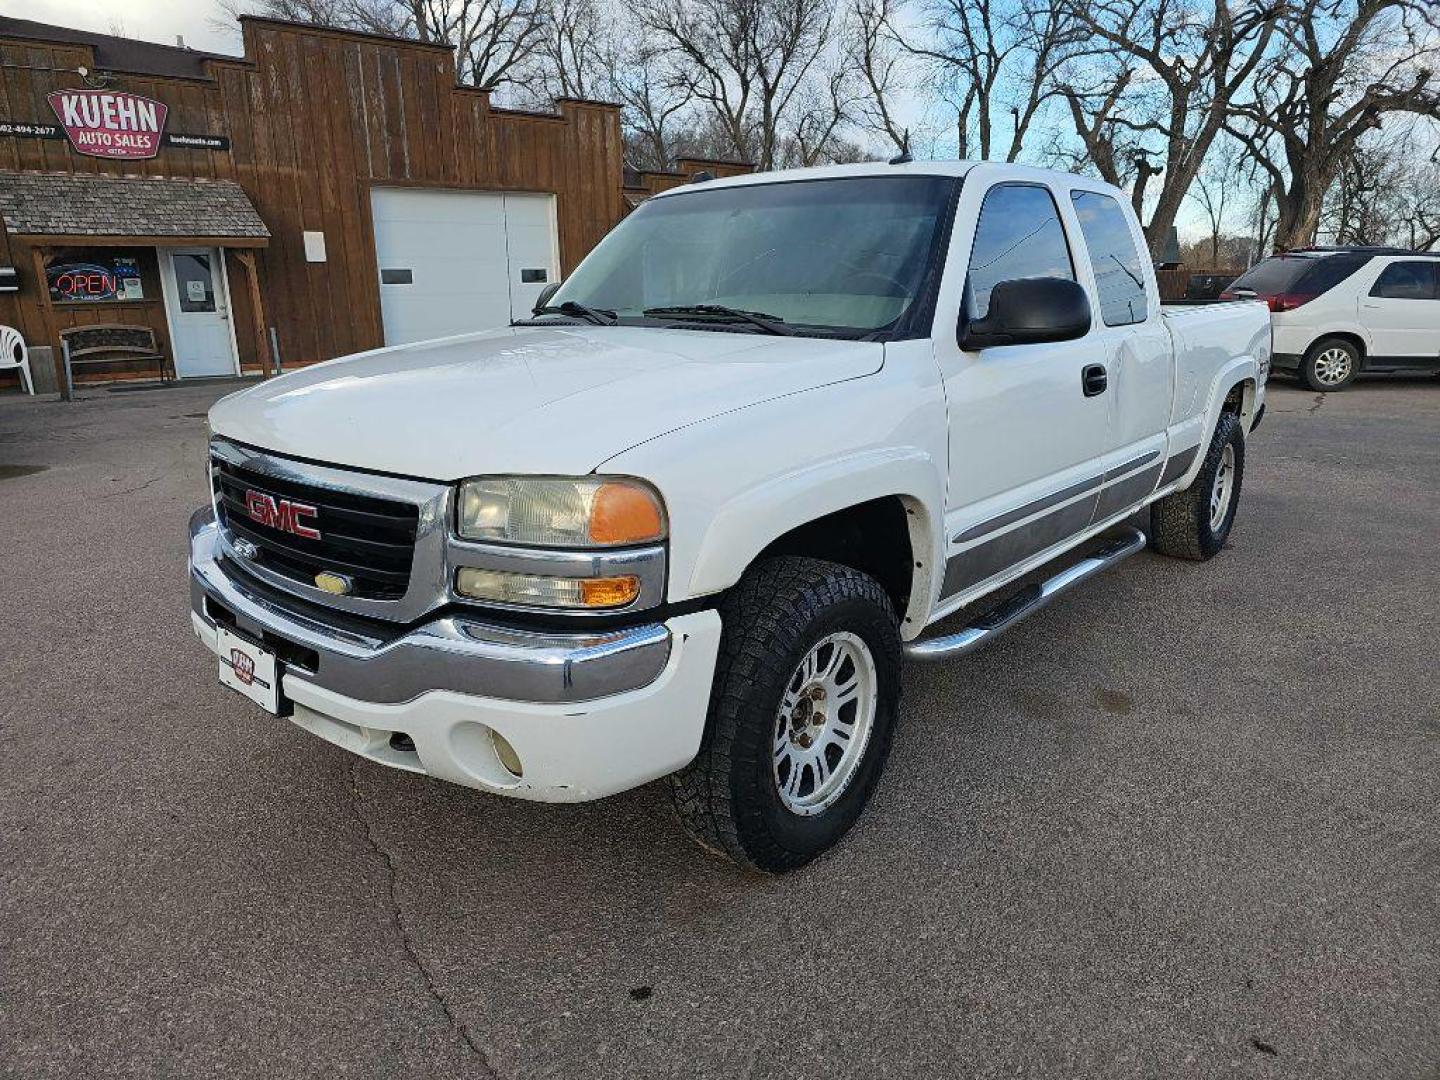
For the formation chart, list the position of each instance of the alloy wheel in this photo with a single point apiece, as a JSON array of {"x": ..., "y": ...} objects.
[
  {"x": 1332, "y": 367},
  {"x": 823, "y": 724}
]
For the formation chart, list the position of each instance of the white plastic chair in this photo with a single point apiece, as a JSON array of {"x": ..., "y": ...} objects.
[{"x": 13, "y": 354}]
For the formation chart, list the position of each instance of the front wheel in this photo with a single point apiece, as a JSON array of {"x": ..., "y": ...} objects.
[{"x": 807, "y": 688}]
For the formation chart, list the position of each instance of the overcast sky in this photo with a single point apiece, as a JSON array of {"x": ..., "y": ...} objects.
[{"x": 149, "y": 20}]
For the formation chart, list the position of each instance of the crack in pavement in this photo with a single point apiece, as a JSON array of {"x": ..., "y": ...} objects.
[
  {"x": 131, "y": 490},
  {"x": 1319, "y": 400},
  {"x": 407, "y": 943}
]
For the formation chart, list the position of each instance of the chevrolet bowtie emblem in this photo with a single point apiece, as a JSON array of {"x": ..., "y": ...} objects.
[{"x": 335, "y": 584}]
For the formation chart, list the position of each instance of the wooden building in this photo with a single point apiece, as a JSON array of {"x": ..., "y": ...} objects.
[{"x": 327, "y": 191}]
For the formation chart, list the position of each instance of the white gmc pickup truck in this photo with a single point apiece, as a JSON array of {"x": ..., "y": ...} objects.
[{"x": 688, "y": 520}]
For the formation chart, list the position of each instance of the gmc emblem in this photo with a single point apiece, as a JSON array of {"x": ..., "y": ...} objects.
[{"x": 281, "y": 514}]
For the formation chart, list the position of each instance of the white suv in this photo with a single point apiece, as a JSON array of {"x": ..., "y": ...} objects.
[{"x": 1339, "y": 311}]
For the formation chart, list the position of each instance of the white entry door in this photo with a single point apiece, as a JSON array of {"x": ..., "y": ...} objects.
[
  {"x": 197, "y": 301},
  {"x": 451, "y": 262}
]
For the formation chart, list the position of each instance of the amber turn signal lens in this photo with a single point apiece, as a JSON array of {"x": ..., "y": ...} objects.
[
  {"x": 529, "y": 590},
  {"x": 625, "y": 514},
  {"x": 609, "y": 592}
]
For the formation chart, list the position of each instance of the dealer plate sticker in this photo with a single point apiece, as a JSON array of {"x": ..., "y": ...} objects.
[{"x": 249, "y": 669}]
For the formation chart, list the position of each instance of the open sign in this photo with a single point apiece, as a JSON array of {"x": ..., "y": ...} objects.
[
  {"x": 81, "y": 281},
  {"x": 74, "y": 277}
]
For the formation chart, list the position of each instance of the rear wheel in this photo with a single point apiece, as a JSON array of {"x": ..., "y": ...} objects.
[
  {"x": 807, "y": 688},
  {"x": 1195, "y": 523},
  {"x": 1331, "y": 364}
]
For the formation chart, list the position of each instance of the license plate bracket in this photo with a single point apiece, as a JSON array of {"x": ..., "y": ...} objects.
[{"x": 252, "y": 670}]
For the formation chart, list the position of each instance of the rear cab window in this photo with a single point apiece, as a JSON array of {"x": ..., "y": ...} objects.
[
  {"x": 1019, "y": 235},
  {"x": 1114, "y": 259}
]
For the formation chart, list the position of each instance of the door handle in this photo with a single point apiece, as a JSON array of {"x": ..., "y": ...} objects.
[{"x": 1094, "y": 379}]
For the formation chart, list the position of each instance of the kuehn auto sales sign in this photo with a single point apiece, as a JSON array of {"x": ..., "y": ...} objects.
[{"x": 110, "y": 123}]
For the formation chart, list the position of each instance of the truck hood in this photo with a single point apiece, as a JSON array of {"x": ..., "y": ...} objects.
[{"x": 557, "y": 400}]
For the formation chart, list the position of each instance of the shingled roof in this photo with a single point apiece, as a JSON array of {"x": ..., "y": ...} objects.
[{"x": 89, "y": 204}]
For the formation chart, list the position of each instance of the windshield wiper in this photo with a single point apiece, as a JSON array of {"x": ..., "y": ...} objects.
[
  {"x": 577, "y": 310},
  {"x": 771, "y": 324}
]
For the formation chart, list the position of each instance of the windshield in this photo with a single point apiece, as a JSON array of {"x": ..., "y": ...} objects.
[{"x": 849, "y": 257}]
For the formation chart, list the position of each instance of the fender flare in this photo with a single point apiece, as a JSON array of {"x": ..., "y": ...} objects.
[
  {"x": 742, "y": 528},
  {"x": 1239, "y": 370}
]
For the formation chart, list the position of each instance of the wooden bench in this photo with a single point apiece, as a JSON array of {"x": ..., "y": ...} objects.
[{"x": 107, "y": 343}]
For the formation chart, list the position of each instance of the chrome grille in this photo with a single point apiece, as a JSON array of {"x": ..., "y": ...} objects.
[
  {"x": 371, "y": 541},
  {"x": 386, "y": 534}
]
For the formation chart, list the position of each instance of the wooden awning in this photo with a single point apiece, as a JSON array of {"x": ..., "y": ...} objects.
[{"x": 89, "y": 208}]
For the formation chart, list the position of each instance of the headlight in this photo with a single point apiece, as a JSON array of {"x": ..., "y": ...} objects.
[{"x": 589, "y": 511}]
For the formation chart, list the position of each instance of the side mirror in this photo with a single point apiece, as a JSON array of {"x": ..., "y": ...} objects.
[
  {"x": 1030, "y": 311},
  {"x": 544, "y": 298}
]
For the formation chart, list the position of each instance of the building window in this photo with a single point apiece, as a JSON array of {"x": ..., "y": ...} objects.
[{"x": 100, "y": 275}]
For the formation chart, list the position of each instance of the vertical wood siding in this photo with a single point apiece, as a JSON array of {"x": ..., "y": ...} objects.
[{"x": 316, "y": 118}]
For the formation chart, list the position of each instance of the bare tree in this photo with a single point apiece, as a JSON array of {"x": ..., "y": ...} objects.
[
  {"x": 744, "y": 61},
  {"x": 654, "y": 105},
  {"x": 997, "y": 59},
  {"x": 1346, "y": 66},
  {"x": 1218, "y": 186},
  {"x": 1387, "y": 191},
  {"x": 1417, "y": 204},
  {"x": 1186, "y": 60},
  {"x": 823, "y": 107},
  {"x": 388, "y": 17},
  {"x": 876, "y": 52},
  {"x": 574, "y": 54},
  {"x": 492, "y": 39}
]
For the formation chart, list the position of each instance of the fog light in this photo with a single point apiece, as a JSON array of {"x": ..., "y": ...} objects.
[
  {"x": 530, "y": 590},
  {"x": 506, "y": 753}
]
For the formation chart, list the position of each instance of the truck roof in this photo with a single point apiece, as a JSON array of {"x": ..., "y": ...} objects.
[{"x": 880, "y": 168}]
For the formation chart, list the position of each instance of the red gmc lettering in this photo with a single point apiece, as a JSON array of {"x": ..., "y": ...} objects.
[{"x": 281, "y": 514}]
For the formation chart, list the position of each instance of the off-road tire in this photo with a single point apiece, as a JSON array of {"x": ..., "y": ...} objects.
[
  {"x": 1180, "y": 523},
  {"x": 1307, "y": 371},
  {"x": 727, "y": 798}
]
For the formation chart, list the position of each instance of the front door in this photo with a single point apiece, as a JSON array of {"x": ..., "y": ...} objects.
[
  {"x": 198, "y": 303},
  {"x": 1402, "y": 312},
  {"x": 1026, "y": 439}
]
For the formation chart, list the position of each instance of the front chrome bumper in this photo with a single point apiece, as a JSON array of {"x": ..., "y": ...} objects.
[{"x": 455, "y": 653}]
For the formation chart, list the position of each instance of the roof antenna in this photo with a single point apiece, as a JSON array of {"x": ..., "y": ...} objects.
[
  {"x": 704, "y": 176},
  {"x": 903, "y": 158}
]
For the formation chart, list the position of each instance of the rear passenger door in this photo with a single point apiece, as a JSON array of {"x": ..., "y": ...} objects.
[
  {"x": 1026, "y": 440},
  {"x": 1133, "y": 344},
  {"x": 1402, "y": 312}
]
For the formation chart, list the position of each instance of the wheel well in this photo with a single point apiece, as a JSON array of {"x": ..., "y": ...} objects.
[
  {"x": 872, "y": 537},
  {"x": 1240, "y": 400},
  {"x": 1353, "y": 339}
]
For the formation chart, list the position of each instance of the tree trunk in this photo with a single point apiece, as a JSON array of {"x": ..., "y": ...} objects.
[{"x": 1299, "y": 213}]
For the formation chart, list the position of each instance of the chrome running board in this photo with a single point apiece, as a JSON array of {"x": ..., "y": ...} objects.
[{"x": 1026, "y": 602}]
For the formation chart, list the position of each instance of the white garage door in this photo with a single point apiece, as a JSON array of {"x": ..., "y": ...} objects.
[{"x": 456, "y": 261}]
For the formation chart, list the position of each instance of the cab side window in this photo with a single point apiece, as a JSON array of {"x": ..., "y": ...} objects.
[
  {"x": 1413, "y": 280},
  {"x": 1119, "y": 273},
  {"x": 1019, "y": 235}
]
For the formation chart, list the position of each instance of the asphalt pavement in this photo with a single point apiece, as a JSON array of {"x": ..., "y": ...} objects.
[{"x": 1184, "y": 823}]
